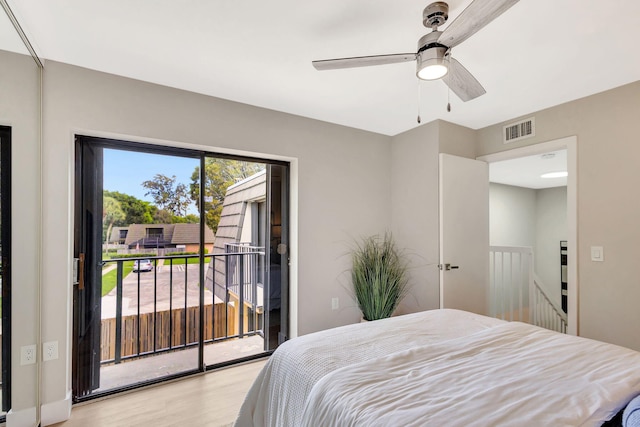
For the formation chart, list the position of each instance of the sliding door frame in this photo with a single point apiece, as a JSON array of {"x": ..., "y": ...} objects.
[
  {"x": 142, "y": 147},
  {"x": 5, "y": 202}
]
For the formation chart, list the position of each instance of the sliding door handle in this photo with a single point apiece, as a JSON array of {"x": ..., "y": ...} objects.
[{"x": 80, "y": 272}]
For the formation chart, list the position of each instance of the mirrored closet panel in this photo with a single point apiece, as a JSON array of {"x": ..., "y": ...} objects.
[{"x": 20, "y": 121}]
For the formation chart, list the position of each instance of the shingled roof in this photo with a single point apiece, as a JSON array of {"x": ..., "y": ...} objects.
[
  {"x": 190, "y": 233},
  {"x": 175, "y": 234},
  {"x": 137, "y": 232}
]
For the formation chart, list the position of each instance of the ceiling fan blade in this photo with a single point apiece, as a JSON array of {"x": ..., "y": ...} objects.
[
  {"x": 478, "y": 14},
  {"x": 362, "y": 61},
  {"x": 462, "y": 83}
]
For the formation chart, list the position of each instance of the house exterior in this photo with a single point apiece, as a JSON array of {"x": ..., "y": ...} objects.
[
  {"x": 344, "y": 182},
  {"x": 240, "y": 228},
  {"x": 241, "y": 212},
  {"x": 180, "y": 237}
]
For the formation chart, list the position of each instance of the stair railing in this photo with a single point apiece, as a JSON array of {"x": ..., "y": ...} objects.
[
  {"x": 546, "y": 312},
  {"x": 516, "y": 293}
]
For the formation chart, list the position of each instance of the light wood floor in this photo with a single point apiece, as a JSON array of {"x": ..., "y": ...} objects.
[{"x": 212, "y": 399}]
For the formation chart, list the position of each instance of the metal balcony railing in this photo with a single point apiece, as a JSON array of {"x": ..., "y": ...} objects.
[
  {"x": 244, "y": 271},
  {"x": 158, "y": 311},
  {"x": 152, "y": 241}
]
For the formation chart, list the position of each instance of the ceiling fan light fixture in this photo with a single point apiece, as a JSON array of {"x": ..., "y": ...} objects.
[
  {"x": 432, "y": 71},
  {"x": 432, "y": 64}
]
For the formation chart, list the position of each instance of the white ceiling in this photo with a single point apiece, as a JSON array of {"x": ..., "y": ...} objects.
[
  {"x": 9, "y": 38},
  {"x": 526, "y": 171},
  {"x": 538, "y": 54}
]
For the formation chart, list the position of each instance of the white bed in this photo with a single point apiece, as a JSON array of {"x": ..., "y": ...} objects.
[{"x": 441, "y": 367}]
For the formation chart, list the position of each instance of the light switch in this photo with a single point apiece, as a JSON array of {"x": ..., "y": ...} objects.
[{"x": 597, "y": 253}]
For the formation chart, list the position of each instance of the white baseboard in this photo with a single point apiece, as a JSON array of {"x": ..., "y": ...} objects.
[
  {"x": 55, "y": 412},
  {"x": 21, "y": 418}
]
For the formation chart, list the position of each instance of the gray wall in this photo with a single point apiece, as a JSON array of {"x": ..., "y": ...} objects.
[
  {"x": 532, "y": 218},
  {"x": 341, "y": 184},
  {"x": 414, "y": 211},
  {"x": 347, "y": 183},
  {"x": 512, "y": 215},
  {"x": 606, "y": 128},
  {"x": 414, "y": 202},
  {"x": 551, "y": 228},
  {"x": 20, "y": 109}
]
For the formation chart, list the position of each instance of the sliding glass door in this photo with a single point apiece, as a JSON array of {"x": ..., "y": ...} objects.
[
  {"x": 175, "y": 276},
  {"x": 248, "y": 310}
]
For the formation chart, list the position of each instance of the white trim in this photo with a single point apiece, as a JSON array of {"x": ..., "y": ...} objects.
[
  {"x": 569, "y": 143},
  {"x": 21, "y": 418},
  {"x": 529, "y": 150},
  {"x": 56, "y": 412}
]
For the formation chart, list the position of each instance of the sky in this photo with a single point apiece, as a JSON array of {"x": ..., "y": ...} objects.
[{"x": 125, "y": 171}]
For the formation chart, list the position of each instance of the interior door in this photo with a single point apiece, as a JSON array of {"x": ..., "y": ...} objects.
[{"x": 464, "y": 234}]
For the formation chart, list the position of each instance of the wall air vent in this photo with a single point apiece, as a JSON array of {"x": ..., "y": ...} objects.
[{"x": 516, "y": 131}]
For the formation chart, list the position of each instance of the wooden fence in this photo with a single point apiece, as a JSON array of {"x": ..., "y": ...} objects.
[{"x": 219, "y": 321}]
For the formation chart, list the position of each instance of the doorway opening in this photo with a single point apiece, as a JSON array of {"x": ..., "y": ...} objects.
[
  {"x": 533, "y": 229},
  {"x": 179, "y": 255}
]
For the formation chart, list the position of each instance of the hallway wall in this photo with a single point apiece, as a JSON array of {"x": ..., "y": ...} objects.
[{"x": 531, "y": 218}]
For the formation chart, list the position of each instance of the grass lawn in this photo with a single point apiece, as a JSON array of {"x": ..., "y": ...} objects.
[
  {"x": 180, "y": 261},
  {"x": 109, "y": 279}
]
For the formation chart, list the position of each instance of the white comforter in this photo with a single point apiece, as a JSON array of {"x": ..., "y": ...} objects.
[{"x": 442, "y": 367}]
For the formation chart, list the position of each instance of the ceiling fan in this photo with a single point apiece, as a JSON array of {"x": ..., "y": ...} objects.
[{"x": 433, "y": 57}]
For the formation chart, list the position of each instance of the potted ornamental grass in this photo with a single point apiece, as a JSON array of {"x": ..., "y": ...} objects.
[{"x": 378, "y": 276}]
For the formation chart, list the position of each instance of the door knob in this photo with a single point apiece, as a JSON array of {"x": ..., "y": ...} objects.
[{"x": 447, "y": 267}]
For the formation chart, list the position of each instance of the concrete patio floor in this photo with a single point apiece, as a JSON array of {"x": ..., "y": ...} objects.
[
  {"x": 152, "y": 367},
  {"x": 156, "y": 290}
]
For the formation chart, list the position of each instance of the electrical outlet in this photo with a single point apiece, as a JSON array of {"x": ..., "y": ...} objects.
[
  {"x": 335, "y": 303},
  {"x": 50, "y": 350},
  {"x": 28, "y": 354}
]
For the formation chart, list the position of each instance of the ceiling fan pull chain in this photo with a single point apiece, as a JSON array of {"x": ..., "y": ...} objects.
[{"x": 448, "y": 100}]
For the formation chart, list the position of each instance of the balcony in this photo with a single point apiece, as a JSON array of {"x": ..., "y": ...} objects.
[
  {"x": 151, "y": 325},
  {"x": 153, "y": 241}
]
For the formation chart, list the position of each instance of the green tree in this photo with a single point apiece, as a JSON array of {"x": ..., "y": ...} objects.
[
  {"x": 111, "y": 213},
  {"x": 187, "y": 219},
  {"x": 220, "y": 174},
  {"x": 168, "y": 195},
  {"x": 136, "y": 211},
  {"x": 162, "y": 216}
]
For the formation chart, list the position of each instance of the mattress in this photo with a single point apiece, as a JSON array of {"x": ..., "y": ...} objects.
[{"x": 441, "y": 367}]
